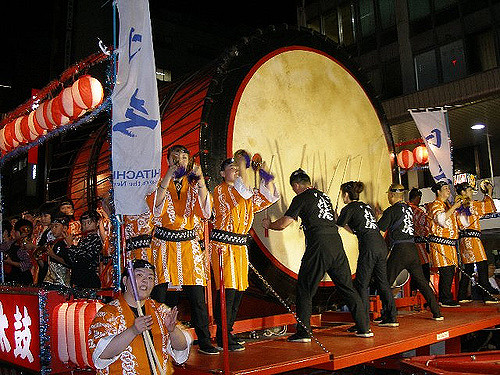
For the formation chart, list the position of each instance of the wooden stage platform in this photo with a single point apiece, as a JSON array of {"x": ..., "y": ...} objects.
[{"x": 416, "y": 331}]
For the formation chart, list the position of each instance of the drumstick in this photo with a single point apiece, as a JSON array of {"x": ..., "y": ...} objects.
[
  {"x": 359, "y": 170},
  {"x": 342, "y": 181},
  {"x": 266, "y": 231},
  {"x": 334, "y": 173},
  {"x": 153, "y": 357}
]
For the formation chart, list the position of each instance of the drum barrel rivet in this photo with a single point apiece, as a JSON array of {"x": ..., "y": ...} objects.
[{"x": 473, "y": 357}]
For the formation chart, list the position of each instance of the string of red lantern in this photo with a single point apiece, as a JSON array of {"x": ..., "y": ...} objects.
[{"x": 406, "y": 159}]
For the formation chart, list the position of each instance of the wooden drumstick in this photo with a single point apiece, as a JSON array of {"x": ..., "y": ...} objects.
[
  {"x": 331, "y": 180},
  {"x": 342, "y": 181},
  {"x": 150, "y": 349},
  {"x": 359, "y": 170},
  {"x": 266, "y": 231}
]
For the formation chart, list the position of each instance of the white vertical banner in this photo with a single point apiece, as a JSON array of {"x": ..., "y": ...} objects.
[
  {"x": 136, "y": 129},
  {"x": 433, "y": 128}
]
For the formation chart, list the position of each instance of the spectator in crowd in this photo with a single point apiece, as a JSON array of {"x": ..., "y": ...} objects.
[
  {"x": 18, "y": 254},
  {"x": 7, "y": 240},
  {"x": 41, "y": 237},
  {"x": 66, "y": 207},
  {"x": 84, "y": 256},
  {"x": 59, "y": 264}
]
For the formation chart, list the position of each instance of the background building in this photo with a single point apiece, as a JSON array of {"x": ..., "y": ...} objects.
[{"x": 424, "y": 54}]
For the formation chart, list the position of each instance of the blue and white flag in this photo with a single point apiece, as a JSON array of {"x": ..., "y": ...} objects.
[
  {"x": 433, "y": 128},
  {"x": 136, "y": 129}
]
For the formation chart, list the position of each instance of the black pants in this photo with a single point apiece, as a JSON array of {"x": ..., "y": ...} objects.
[
  {"x": 482, "y": 273},
  {"x": 325, "y": 253},
  {"x": 233, "y": 300},
  {"x": 405, "y": 256},
  {"x": 446, "y": 275},
  {"x": 196, "y": 298},
  {"x": 372, "y": 261}
]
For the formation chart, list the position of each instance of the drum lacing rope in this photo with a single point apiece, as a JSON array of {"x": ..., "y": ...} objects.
[{"x": 270, "y": 288}]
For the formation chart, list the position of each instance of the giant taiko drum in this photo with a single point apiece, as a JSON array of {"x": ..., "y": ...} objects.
[{"x": 297, "y": 99}]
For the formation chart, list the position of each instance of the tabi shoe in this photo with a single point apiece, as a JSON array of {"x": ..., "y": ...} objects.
[
  {"x": 449, "y": 304},
  {"x": 378, "y": 320},
  {"x": 236, "y": 348},
  {"x": 389, "y": 323},
  {"x": 208, "y": 349},
  {"x": 236, "y": 339},
  {"x": 353, "y": 329},
  {"x": 298, "y": 338},
  {"x": 367, "y": 334},
  {"x": 490, "y": 301},
  {"x": 437, "y": 317},
  {"x": 465, "y": 300}
]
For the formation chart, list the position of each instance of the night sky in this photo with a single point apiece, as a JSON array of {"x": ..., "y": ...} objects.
[{"x": 33, "y": 33}]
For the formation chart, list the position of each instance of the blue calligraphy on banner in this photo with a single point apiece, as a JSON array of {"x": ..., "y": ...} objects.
[
  {"x": 133, "y": 38},
  {"x": 135, "y": 120},
  {"x": 436, "y": 136}
]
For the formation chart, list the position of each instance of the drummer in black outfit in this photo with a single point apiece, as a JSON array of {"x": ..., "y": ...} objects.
[
  {"x": 397, "y": 220},
  {"x": 372, "y": 260},
  {"x": 324, "y": 253}
]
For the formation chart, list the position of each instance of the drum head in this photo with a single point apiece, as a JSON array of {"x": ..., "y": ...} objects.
[{"x": 299, "y": 105}]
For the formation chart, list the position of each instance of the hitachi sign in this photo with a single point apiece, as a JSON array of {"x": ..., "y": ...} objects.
[{"x": 134, "y": 175}]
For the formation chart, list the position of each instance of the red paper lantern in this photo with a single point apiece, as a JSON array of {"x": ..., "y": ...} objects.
[
  {"x": 35, "y": 129},
  {"x": 70, "y": 325},
  {"x": 10, "y": 141},
  {"x": 54, "y": 114},
  {"x": 41, "y": 116},
  {"x": 421, "y": 154},
  {"x": 405, "y": 159},
  {"x": 87, "y": 92},
  {"x": 18, "y": 135},
  {"x": 3, "y": 145},
  {"x": 68, "y": 105},
  {"x": 25, "y": 130}
]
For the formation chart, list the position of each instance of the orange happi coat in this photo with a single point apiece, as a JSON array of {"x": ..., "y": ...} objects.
[
  {"x": 442, "y": 255},
  {"x": 471, "y": 248},
  {"x": 116, "y": 317},
  {"x": 179, "y": 263},
  {"x": 233, "y": 211}
]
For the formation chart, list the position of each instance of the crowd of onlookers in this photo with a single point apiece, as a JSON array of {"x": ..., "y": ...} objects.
[{"x": 49, "y": 247}]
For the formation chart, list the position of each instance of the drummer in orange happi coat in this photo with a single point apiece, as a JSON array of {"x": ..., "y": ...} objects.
[
  {"x": 470, "y": 246},
  {"x": 443, "y": 237},
  {"x": 235, "y": 204},
  {"x": 180, "y": 197}
]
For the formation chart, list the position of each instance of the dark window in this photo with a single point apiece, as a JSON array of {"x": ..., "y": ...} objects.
[
  {"x": 332, "y": 26},
  {"x": 480, "y": 52},
  {"x": 347, "y": 24},
  {"x": 453, "y": 61},
  {"x": 426, "y": 70},
  {"x": 469, "y": 7},
  {"x": 387, "y": 13},
  {"x": 442, "y": 4},
  {"x": 393, "y": 83},
  {"x": 366, "y": 17},
  {"x": 418, "y": 9}
]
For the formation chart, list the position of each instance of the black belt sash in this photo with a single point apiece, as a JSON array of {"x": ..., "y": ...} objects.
[
  {"x": 420, "y": 239},
  {"x": 442, "y": 240},
  {"x": 138, "y": 242},
  {"x": 470, "y": 233},
  {"x": 166, "y": 234},
  {"x": 228, "y": 237}
]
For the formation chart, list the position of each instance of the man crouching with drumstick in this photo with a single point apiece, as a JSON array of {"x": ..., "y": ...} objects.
[
  {"x": 117, "y": 336},
  {"x": 324, "y": 253}
]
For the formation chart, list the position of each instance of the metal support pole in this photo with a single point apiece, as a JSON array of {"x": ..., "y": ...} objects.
[{"x": 489, "y": 156}]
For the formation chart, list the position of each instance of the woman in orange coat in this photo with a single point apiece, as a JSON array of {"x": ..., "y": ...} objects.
[{"x": 470, "y": 245}]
